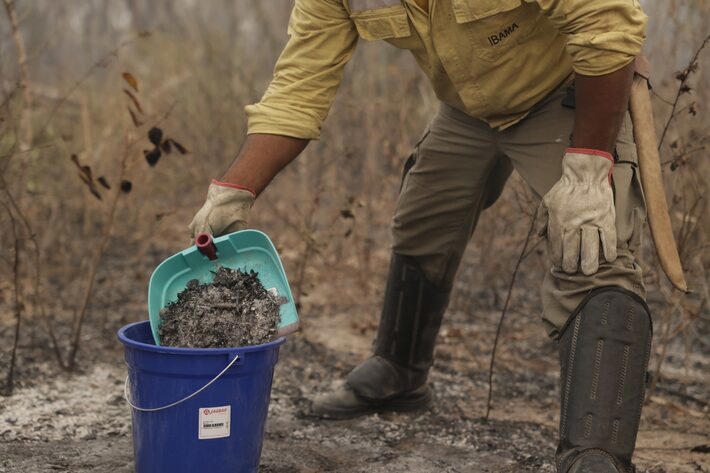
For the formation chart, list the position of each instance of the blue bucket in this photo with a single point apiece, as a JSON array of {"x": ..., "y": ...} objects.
[{"x": 197, "y": 409}]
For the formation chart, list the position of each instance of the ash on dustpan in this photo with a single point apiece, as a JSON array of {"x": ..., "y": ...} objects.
[{"x": 234, "y": 310}]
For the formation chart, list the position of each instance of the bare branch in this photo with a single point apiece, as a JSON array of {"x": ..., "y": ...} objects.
[
  {"x": 523, "y": 254},
  {"x": 682, "y": 88},
  {"x": 38, "y": 268},
  {"x": 79, "y": 316},
  {"x": 100, "y": 63},
  {"x": 17, "y": 303}
]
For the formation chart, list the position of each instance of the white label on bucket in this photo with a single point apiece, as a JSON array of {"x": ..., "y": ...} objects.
[{"x": 214, "y": 422}]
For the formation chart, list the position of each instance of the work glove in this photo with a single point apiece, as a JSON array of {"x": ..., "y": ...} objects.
[
  {"x": 226, "y": 210},
  {"x": 578, "y": 212}
]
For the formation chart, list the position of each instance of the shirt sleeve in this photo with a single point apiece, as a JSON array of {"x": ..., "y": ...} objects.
[
  {"x": 602, "y": 35},
  {"x": 322, "y": 39}
]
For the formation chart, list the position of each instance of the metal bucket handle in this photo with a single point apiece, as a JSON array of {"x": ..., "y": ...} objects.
[{"x": 154, "y": 409}]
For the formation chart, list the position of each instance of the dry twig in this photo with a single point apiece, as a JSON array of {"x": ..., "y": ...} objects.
[
  {"x": 17, "y": 303},
  {"x": 78, "y": 319},
  {"x": 102, "y": 62},
  {"x": 523, "y": 255},
  {"x": 682, "y": 87},
  {"x": 310, "y": 226},
  {"x": 39, "y": 303}
]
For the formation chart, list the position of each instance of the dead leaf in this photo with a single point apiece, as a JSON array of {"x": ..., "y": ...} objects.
[
  {"x": 155, "y": 135},
  {"x": 86, "y": 177},
  {"x": 86, "y": 170},
  {"x": 102, "y": 180},
  {"x": 166, "y": 146},
  {"x": 94, "y": 192},
  {"x": 128, "y": 77},
  {"x": 152, "y": 156},
  {"x": 134, "y": 100},
  {"x": 179, "y": 147},
  {"x": 126, "y": 186}
]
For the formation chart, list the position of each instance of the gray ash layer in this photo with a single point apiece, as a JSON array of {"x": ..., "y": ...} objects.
[{"x": 234, "y": 310}]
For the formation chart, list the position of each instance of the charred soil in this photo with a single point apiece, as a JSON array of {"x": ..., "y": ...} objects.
[
  {"x": 234, "y": 310},
  {"x": 79, "y": 422}
]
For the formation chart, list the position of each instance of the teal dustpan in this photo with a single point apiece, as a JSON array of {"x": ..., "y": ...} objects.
[{"x": 245, "y": 250}]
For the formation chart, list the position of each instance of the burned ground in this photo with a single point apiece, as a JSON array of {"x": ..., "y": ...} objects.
[{"x": 80, "y": 423}]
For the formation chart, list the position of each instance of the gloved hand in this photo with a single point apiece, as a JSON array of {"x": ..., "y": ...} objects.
[
  {"x": 579, "y": 212},
  {"x": 226, "y": 210}
]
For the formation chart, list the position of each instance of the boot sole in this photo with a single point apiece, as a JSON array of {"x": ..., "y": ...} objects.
[{"x": 397, "y": 404}]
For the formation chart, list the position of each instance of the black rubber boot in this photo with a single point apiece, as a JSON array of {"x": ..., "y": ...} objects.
[
  {"x": 604, "y": 354},
  {"x": 394, "y": 378}
]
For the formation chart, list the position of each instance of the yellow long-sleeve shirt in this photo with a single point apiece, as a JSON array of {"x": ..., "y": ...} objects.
[{"x": 492, "y": 59}]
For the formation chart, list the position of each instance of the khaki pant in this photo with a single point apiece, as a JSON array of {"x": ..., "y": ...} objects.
[{"x": 459, "y": 168}]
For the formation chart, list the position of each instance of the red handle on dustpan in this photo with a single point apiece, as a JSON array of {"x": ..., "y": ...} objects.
[{"x": 206, "y": 246}]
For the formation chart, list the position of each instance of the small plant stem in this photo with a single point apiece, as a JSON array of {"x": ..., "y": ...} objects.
[
  {"x": 38, "y": 268},
  {"x": 681, "y": 89},
  {"x": 17, "y": 306},
  {"x": 522, "y": 256},
  {"x": 80, "y": 315},
  {"x": 659, "y": 363}
]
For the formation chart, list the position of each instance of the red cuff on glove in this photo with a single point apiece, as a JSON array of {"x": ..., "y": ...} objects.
[
  {"x": 233, "y": 186},
  {"x": 596, "y": 152}
]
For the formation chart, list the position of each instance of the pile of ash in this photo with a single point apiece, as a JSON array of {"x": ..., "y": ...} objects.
[{"x": 234, "y": 310}]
